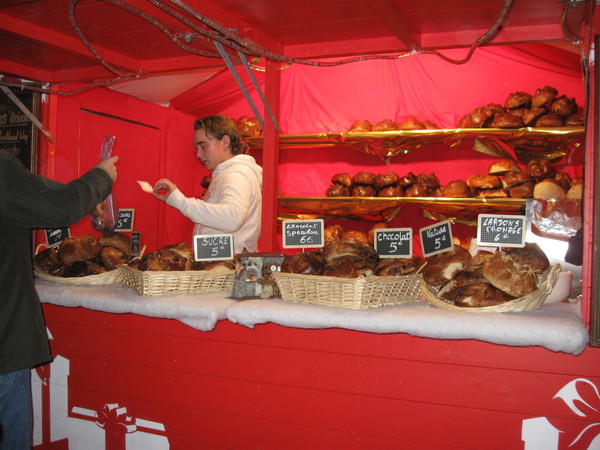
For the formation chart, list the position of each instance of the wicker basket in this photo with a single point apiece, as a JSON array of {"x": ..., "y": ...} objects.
[
  {"x": 529, "y": 302},
  {"x": 352, "y": 293},
  {"x": 113, "y": 276},
  {"x": 153, "y": 283}
]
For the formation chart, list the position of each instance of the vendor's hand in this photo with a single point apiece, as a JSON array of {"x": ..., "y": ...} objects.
[
  {"x": 163, "y": 188},
  {"x": 108, "y": 165}
]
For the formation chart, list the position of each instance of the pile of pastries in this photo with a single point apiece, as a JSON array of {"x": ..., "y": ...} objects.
[
  {"x": 488, "y": 278},
  {"x": 248, "y": 126},
  {"x": 177, "y": 257},
  {"x": 349, "y": 254},
  {"x": 504, "y": 178},
  {"x": 412, "y": 123},
  {"x": 544, "y": 108},
  {"x": 80, "y": 256}
]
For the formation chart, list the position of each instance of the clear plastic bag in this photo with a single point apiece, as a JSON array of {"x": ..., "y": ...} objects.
[{"x": 105, "y": 215}]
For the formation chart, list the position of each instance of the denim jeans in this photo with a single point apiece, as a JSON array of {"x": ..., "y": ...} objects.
[{"x": 16, "y": 411}]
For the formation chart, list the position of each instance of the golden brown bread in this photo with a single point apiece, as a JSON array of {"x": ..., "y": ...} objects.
[
  {"x": 503, "y": 166},
  {"x": 363, "y": 191},
  {"x": 388, "y": 179},
  {"x": 390, "y": 191},
  {"x": 117, "y": 240},
  {"x": 337, "y": 190},
  {"x": 342, "y": 178},
  {"x": 332, "y": 233},
  {"x": 456, "y": 189},
  {"x": 361, "y": 126},
  {"x": 443, "y": 266},
  {"x": 506, "y": 120},
  {"x": 385, "y": 125},
  {"x": 543, "y": 96},
  {"x": 398, "y": 266},
  {"x": 112, "y": 257},
  {"x": 340, "y": 269},
  {"x": 482, "y": 181},
  {"x": 503, "y": 272},
  {"x": 531, "y": 256},
  {"x": 78, "y": 248},
  {"x": 47, "y": 261},
  {"x": 307, "y": 263},
  {"x": 518, "y": 100},
  {"x": 364, "y": 178}
]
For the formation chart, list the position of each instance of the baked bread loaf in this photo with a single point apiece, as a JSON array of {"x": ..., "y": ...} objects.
[
  {"x": 503, "y": 166},
  {"x": 356, "y": 236},
  {"x": 491, "y": 193},
  {"x": 388, "y": 179},
  {"x": 363, "y": 191},
  {"x": 543, "y": 96},
  {"x": 332, "y": 233},
  {"x": 482, "y": 181},
  {"x": 564, "y": 106},
  {"x": 531, "y": 256},
  {"x": 47, "y": 261},
  {"x": 117, "y": 240},
  {"x": 337, "y": 190},
  {"x": 385, "y": 125},
  {"x": 112, "y": 257},
  {"x": 574, "y": 120},
  {"x": 540, "y": 169},
  {"x": 411, "y": 124},
  {"x": 392, "y": 267},
  {"x": 364, "y": 178},
  {"x": 456, "y": 189},
  {"x": 361, "y": 126},
  {"x": 391, "y": 191},
  {"x": 340, "y": 269},
  {"x": 342, "y": 178},
  {"x": 371, "y": 232},
  {"x": 78, "y": 248},
  {"x": 548, "y": 189},
  {"x": 523, "y": 190},
  {"x": 443, "y": 266},
  {"x": 215, "y": 266},
  {"x": 507, "y": 120},
  {"x": 307, "y": 263},
  {"x": 518, "y": 100},
  {"x": 503, "y": 272},
  {"x": 549, "y": 120}
]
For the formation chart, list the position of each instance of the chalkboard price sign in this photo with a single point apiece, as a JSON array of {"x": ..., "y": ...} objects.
[
  {"x": 55, "y": 236},
  {"x": 136, "y": 243},
  {"x": 393, "y": 242},
  {"x": 436, "y": 238},
  {"x": 501, "y": 230},
  {"x": 125, "y": 222},
  {"x": 212, "y": 247},
  {"x": 17, "y": 133},
  {"x": 303, "y": 233}
]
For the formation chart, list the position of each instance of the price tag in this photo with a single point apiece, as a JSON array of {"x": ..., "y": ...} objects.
[
  {"x": 501, "y": 231},
  {"x": 393, "y": 242},
  {"x": 125, "y": 222},
  {"x": 303, "y": 233},
  {"x": 136, "y": 243},
  {"x": 209, "y": 247},
  {"x": 436, "y": 238},
  {"x": 55, "y": 236}
]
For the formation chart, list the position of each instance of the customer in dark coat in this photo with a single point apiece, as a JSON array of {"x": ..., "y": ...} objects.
[{"x": 31, "y": 201}]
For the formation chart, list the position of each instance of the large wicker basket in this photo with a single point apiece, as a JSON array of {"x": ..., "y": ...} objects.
[
  {"x": 529, "y": 302},
  {"x": 352, "y": 293},
  {"x": 153, "y": 283},
  {"x": 113, "y": 276}
]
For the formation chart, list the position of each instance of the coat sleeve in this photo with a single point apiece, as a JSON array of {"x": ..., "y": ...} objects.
[
  {"x": 30, "y": 200},
  {"x": 228, "y": 214}
]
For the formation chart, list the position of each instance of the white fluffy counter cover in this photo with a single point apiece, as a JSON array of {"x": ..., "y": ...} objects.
[
  {"x": 557, "y": 327},
  {"x": 199, "y": 311}
]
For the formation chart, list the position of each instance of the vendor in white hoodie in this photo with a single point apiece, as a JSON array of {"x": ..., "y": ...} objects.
[{"x": 233, "y": 202}]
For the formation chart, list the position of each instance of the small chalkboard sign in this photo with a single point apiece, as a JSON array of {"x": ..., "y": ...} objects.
[
  {"x": 211, "y": 247},
  {"x": 393, "y": 242},
  {"x": 303, "y": 233},
  {"x": 55, "y": 236},
  {"x": 501, "y": 230},
  {"x": 136, "y": 243},
  {"x": 125, "y": 222},
  {"x": 436, "y": 238}
]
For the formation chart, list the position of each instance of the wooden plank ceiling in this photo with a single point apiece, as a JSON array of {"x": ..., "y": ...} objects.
[{"x": 60, "y": 41}]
